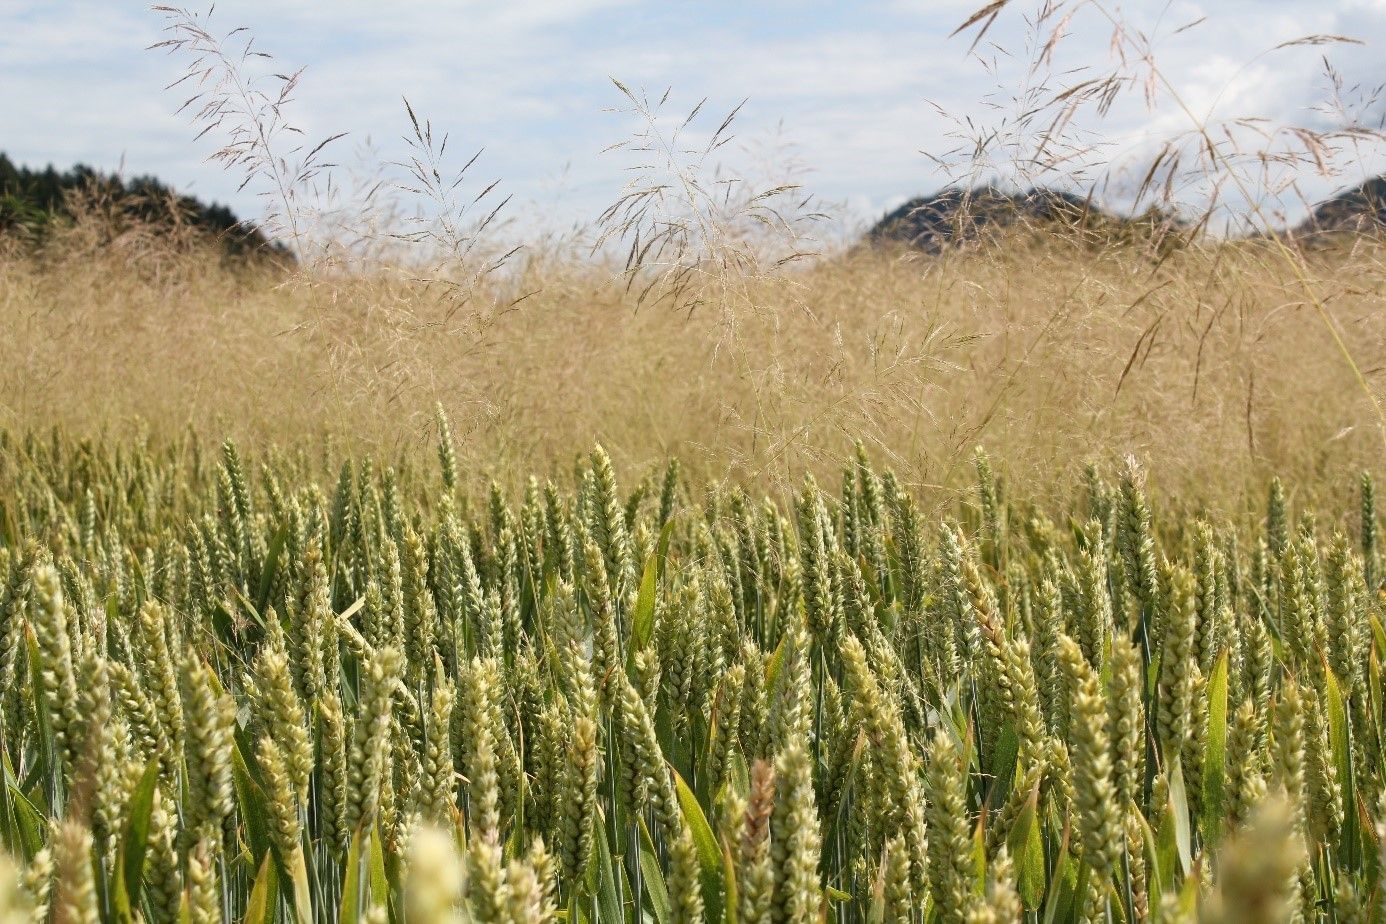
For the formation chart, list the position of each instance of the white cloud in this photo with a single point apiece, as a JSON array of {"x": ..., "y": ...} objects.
[{"x": 528, "y": 80}]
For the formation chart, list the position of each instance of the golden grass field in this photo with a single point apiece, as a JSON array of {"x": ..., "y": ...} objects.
[{"x": 1213, "y": 365}]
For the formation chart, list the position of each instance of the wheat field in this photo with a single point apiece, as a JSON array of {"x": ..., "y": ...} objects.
[
  {"x": 241, "y": 688},
  {"x": 685, "y": 569}
]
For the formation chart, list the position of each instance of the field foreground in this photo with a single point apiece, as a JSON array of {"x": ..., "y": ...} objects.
[{"x": 264, "y": 689}]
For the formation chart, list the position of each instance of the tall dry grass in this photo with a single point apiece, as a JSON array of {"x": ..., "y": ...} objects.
[{"x": 1052, "y": 352}]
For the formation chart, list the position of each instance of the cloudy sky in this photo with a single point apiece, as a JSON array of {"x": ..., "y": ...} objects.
[{"x": 862, "y": 92}]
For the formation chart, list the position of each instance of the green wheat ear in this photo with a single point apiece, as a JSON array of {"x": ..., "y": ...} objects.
[
  {"x": 950, "y": 861},
  {"x": 75, "y": 897},
  {"x": 16, "y": 904},
  {"x": 1258, "y": 880}
]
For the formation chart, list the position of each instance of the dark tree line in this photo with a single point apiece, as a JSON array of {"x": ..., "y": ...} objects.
[{"x": 32, "y": 201}]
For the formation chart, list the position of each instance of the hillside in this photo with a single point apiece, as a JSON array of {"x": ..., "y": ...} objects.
[
  {"x": 1359, "y": 209},
  {"x": 952, "y": 215}
]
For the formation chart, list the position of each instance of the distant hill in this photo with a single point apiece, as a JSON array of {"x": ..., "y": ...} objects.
[
  {"x": 1357, "y": 210},
  {"x": 32, "y": 200},
  {"x": 954, "y": 215}
]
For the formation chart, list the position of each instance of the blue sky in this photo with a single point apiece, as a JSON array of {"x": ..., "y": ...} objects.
[{"x": 854, "y": 86}]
